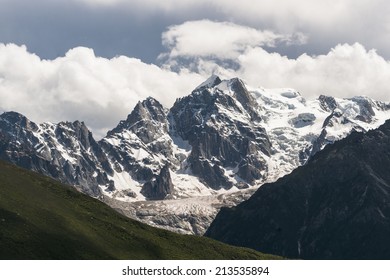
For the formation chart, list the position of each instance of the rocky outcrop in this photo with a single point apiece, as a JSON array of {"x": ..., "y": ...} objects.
[
  {"x": 366, "y": 109},
  {"x": 160, "y": 187},
  {"x": 327, "y": 103},
  {"x": 147, "y": 120}
]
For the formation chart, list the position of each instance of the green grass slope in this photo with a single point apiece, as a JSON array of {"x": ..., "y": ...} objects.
[{"x": 43, "y": 219}]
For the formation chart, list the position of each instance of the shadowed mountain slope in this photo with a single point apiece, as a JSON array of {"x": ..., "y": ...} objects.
[{"x": 335, "y": 207}]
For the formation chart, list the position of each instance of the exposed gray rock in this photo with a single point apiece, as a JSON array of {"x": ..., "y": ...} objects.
[
  {"x": 366, "y": 110},
  {"x": 327, "y": 103},
  {"x": 147, "y": 121},
  {"x": 66, "y": 151},
  {"x": 245, "y": 98},
  {"x": 303, "y": 119},
  {"x": 160, "y": 187},
  {"x": 206, "y": 120}
]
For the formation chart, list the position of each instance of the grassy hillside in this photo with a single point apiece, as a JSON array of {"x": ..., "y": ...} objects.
[{"x": 43, "y": 219}]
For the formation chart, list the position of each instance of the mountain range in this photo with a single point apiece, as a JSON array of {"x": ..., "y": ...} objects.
[
  {"x": 337, "y": 206},
  {"x": 176, "y": 167}
]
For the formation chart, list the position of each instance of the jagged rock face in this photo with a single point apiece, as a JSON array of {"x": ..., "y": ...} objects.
[
  {"x": 160, "y": 187},
  {"x": 366, "y": 111},
  {"x": 226, "y": 144},
  {"x": 66, "y": 151},
  {"x": 140, "y": 147},
  {"x": 335, "y": 207},
  {"x": 224, "y": 132},
  {"x": 327, "y": 103},
  {"x": 147, "y": 121},
  {"x": 242, "y": 95},
  {"x": 141, "y": 130}
]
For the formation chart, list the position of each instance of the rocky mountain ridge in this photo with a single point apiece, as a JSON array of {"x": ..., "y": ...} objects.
[{"x": 222, "y": 141}]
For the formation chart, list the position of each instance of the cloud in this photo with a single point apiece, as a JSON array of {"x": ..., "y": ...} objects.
[
  {"x": 224, "y": 40},
  {"x": 345, "y": 71},
  {"x": 82, "y": 86}
]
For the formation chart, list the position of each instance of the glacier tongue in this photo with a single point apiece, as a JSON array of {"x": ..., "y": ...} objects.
[
  {"x": 190, "y": 215},
  {"x": 174, "y": 168}
]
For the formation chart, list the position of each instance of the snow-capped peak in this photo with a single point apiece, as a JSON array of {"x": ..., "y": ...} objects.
[{"x": 211, "y": 82}]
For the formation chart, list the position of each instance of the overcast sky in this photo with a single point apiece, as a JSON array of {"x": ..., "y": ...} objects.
[{"x": 92, "y": 60}]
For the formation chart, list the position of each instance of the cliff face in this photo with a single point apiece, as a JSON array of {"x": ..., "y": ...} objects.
[
  {"x": 159, "y": 188},
  {"x": 225, "y": 132}
]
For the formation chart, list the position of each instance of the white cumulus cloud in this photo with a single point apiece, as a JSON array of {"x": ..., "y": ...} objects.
[
  {"x": 219, "y": 39},
  {"x": 345, "y": 71}
]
